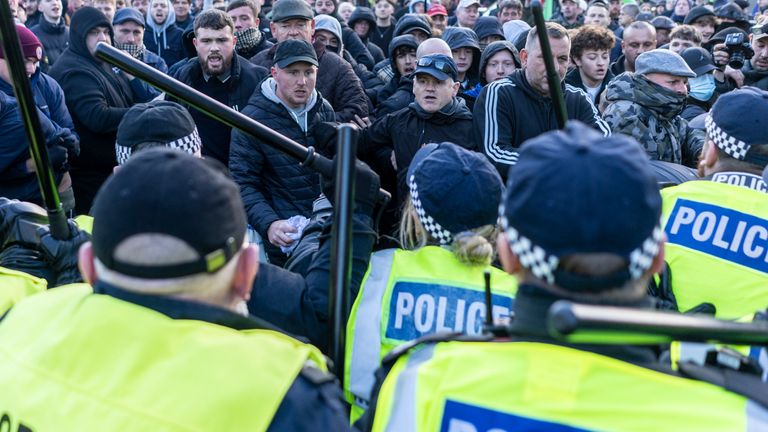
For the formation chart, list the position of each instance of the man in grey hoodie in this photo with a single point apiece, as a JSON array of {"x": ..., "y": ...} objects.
[{"x": 274, "y": 186}]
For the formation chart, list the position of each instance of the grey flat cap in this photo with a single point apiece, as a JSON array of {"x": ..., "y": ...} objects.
[{"x": 662, "y": 61}]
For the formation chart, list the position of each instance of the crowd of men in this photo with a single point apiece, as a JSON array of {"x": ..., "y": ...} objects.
[{"x": 652, "y": 196}]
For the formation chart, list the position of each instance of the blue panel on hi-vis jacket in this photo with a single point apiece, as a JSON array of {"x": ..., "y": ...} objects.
[
  {"x": 417, "y": 309},
  {"x": 724, "y": 233},
  {"x": 459, "y": 417}
]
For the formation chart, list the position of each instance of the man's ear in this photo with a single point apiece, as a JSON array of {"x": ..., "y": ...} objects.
[
  {"x": 456, "y": 86},
  {"x": 509, "y": 261},
  {"x": 245, "y": 272},
  {"x": 523, "y": 57},
  {"x": 194, "y": 42},
  {"x": 710, "y": 155},
  {"x": 85, "y": 262}
]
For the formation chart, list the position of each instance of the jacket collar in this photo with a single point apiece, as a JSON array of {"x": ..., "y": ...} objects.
[
  {"x": 52, "y": 28},
  {"x": 185, "y": 309},
  {"x": 530, "y": 319}
]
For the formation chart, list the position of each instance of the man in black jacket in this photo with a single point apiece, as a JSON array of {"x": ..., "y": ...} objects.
[
  {"x": 52, "y": 31},
  {"x": 436, "y": 115},
  {"x": 274, "y": 186},
  {"x": 97, "y": 98},
  {"x": 221, "y": 74},
  {"x": 514, "y": 109}
]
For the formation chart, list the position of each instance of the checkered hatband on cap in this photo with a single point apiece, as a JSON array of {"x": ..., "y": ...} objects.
[
  {"x": 732, "y": 146},
  {"x": 188, "y": 144},
  {"x": 532, "y": 257},
  {"x": 543, "y": 264},
  {"x": 431, "y": 225},
  {"x": 641, "y": 258}
]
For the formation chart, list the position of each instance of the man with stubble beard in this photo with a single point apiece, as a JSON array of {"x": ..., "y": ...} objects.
[{"x": 221, "y": 74}]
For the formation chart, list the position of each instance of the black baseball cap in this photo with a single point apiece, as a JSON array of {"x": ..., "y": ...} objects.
[
  {"x": 128, "y": 14},
  {"x": 699, "y": 60},
  {"x": 170, "y": 193},
  {"x": 294, "y": 50},
  {"x": 439, "y": 66}
]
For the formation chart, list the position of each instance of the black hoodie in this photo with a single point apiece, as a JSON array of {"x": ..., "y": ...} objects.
[
  {"x": 97, "y": 98},
  {"x": 460, "y": 37},
  {"x": 362, "y": 13}
]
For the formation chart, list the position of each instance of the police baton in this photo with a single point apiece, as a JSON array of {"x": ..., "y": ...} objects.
[
  {"x": 553, "y": 78},
  {"x": 580, "y": 323},
  {"x": 341, "y": 246},
  {"x": 217, "y": 110},
  {"x": 28, "y": 111}
]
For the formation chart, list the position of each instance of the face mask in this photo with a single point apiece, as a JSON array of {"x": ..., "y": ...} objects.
[
  {"x": 135, "y": 51},
  {"x": 702, "y": 87}
]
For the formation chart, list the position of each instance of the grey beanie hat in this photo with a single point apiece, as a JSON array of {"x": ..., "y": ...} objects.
[{"x": 662, "y": 61}]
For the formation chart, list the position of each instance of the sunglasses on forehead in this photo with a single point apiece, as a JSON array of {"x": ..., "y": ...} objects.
[{"x": 441, "y": 65}]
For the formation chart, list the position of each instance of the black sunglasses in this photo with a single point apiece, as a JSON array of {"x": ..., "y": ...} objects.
[{"x": 441, "y": 65}]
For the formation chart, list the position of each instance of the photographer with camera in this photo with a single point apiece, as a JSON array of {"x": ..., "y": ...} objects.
[{"x": 746, "y": 62}]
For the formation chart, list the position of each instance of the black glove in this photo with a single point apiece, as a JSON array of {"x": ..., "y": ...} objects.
[
  {"x": 57, "y": 155},
  {"x": 367, "y": 186},
  {"x": 61, "y": 255},
  {"x": 19, "y": 222},
  {"x": 69, "y": 141},
  {"x": 325, "y": 138}
]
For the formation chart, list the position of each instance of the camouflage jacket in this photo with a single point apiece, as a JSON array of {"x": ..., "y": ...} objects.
[{"x": 650, "y": 113}]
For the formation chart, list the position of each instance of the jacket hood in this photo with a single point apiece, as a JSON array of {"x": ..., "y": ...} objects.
[
  {"x": 410, "y": 22},
  {"x": 300, "y": 116},
  {"x": 460, "y": 37},
  {"x": 628, "y": 86},
  {"x": 362, "y": 13},
  {"x": 488, "y": 26},
  {"x": 330, "y": 24},
  {"x": 83, "y": 21},
  {"x": 169, "y": 21},
  {"x": 397, "y": 42},
  {"x": 491, "y": 50}
]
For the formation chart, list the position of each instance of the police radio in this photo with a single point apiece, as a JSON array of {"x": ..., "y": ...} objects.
[{"x": 489, "y": 327}]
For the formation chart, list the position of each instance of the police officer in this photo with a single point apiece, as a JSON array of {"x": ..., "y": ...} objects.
[
  {"x": 718, "y": 227},
  {"x": 435, "y": 283},
  {"x": 164, "y": 340},
  {"x": 29, "y": 265},
  {"x": 581, "y": 221}
]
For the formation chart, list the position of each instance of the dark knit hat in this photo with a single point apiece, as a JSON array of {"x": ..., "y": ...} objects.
[
  {"x": 170, "y": 193},
  {"x": 30, "y": 44},
  {"x": 442, "y": 179},
  {"x": 575, "y": 191},
  {"x": 159, "y": 122}
]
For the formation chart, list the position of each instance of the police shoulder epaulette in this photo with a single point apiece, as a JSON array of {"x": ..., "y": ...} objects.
[
  {"x": 315, "y": 375},
  {"x": 744, "y": 384},
  {"x": 400, "y": 350}
]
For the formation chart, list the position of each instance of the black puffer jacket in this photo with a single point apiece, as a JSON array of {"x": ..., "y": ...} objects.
[
  {"x": 336, "y": 81},
  {"x": 55, "y": 39},
  {"x": 273, "y": 185},
  {"x": 234, "y": 93}
]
